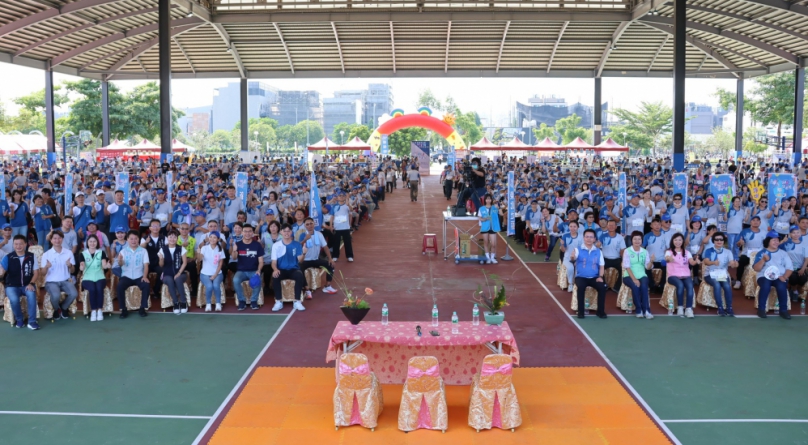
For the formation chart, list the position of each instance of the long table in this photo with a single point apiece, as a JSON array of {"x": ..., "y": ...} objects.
[{"x": 390, "y": 347}]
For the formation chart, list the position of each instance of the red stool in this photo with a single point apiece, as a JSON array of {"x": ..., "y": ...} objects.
[
  {"x": 430, "y": 243},
  {"x": 526, "y": 237},
  {"x": 539, "y": 243}
]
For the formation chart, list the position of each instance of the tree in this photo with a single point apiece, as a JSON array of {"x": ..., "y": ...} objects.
[
  {"x": 773, "y": 100},
  {"x": 143, "y": 111},
  {"x": 450, "y": 106},
  {"x": 654, "y": 119},
  {"x": 344, "y": 127},
  {"x": 468, "y": 127},
  {"x": 222, "y": 140},
  {"x": 427, "y": 99},
  {"x": 544, "y": 132},
  {"x": 35, "y": 102},
  {"x": 631, "y": 137},
  {"x": 362, "y": 132},
  {"x": 496, "y": 138},
  {"x": 201, "y": 140},
  {"x": 400, "y": 140},
  {"x": 569, "y": 128},
  {"x": 721, "y": 141},
  {"x": 85, "y": 110},
  {"x": 266, "y": 133}
]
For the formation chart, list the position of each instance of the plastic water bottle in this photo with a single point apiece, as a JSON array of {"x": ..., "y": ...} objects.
[
  {"x": 670, "y": 307},
  {"x": 475, "y": 314},
  {"x": 455, "y": 323},
  {"x": 777, "y": 306},
  {"x": 802, "y": 308},
  {"x": 434, "y": 315},
  {"x": 629, "y": 310},
  {"x": 385, "y": 314},
  {"x": 586, "y": 307}
]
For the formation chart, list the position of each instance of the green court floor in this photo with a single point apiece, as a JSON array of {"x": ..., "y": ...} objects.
[
  {"x": 716, "y": 369},
  {"x": 163, "y": 365}
]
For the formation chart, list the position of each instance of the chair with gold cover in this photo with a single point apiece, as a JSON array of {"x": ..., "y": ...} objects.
[
  {"x": 625, "y": 300},
  {"x": 38, "y": 251},
  {"x": 423, "y": 402},
  {"x": 287, "y": 291},
  {"x": 245, "y": 287},
  {"x": 749, "y": 283},
  {"x": 493, "y": 400},
  {"x": 200, "y": 295},
  {"x": 590, "y": 295},
  {"x": 706, "y": 294},
  {"x": 610, "y": 276},
  {"x": 165, "y": 296},
  {"x": 655, "y": 277},
  {"x": 84, "y": 297},
  {"x": 358, "y": 397},
  {"x": 562, "y": 275},
  {"x": 133, "y": 296},
  {"x": 314, "y": 278},
  {"x": 48, "y": 309},
  {"x": 668, "y": 296},
  {"x": 772, "y": 302},
  {"x": 8, "y": 314}
]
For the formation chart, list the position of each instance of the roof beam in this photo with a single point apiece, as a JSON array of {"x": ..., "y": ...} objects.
[
  {"x": 113, "y": 18},
  {"x": 413, "y": 16},
  {"x": 184, "y": 54},
  {"x": 645, "y": 7},
  {"x": 141, "y": 48},
  {"x": 231, "y": 47},
  {"x": 50, "y": 13},
  {"x": 339, "y": 47},
  {"x": 61, "y": 58},
  {"x": 140, "y": 62},
  {"x": 502, "y": 44},
  {"x": 621, "y": 28},
  {"x": 194, "y": 8},
  {"x": 747, "y": 40},
  {"x": 703, "y": 61},
  {"x": 393, "y": 43},
  {"x": 448, "y": 36},
  {"x": 742, "y": 19},
  {"x": 431, "y": 41},
  {"x": 285, "y": 47},
  {"x": 555, "y": 47},
  {"x": 659, "y": 50},
  {"x": 700, "y": 45},
  {"x": 781, "y": 5}
]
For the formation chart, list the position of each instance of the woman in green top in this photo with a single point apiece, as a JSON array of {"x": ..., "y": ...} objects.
[
  {"x": 92, "y": 263},
  {"x": 635, "y": 262}
]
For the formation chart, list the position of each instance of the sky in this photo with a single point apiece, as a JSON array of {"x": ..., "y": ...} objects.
[{"x": 491, "y": 98}]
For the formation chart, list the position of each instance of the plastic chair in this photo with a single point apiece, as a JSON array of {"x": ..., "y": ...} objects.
[
  {"x": 358, "y": 397},
  {"x": 493, "y": 401},
  {"x": 423, "y": 402},
  {"x": 430, "y": 244}
]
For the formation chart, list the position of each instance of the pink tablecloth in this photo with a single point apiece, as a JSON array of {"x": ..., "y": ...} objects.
[{"x": 390, "y": 347}]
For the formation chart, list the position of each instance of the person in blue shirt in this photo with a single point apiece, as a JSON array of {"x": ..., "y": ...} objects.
[
  {"x": 654, "y": 243},
  {"x": 286, "y": 258},
  {"x": 20, "y": 271},
  {"x": 798, "y": 252},
  {"x": 750, "y": 241},
  {"x": 42, "y": 221},
  {"x": 589, "y": 269},
  {"x": 773, "y": 267},
  {"x": 489, "y": 227},
  {"x": 118, "y": 213},
  {"x": 5, "y": 212},
  {"x": 19, "y": 223},
  {"x": 717, "y": 260}
]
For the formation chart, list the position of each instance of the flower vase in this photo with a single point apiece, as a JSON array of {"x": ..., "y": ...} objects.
[
  {"x": 354, "y": 315},
  {"x": 494, "y": 319}
]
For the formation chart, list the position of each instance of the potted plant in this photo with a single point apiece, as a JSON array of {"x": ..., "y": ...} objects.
[
  {"x": 492, "y": 299},
  {"x": 354, "y": 307}
]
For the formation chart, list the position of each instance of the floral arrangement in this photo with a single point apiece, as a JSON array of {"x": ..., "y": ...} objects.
[
  {"x": 351, "y": 299},
  {"x": 495, "y": 298}
]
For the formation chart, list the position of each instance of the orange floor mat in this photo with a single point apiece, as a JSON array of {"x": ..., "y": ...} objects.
[{"x": 559, "y": 406}]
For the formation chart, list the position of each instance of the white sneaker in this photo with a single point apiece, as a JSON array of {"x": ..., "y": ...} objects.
[
  {"x": 184, "y": 308},
  {"x": 93, "y": 315},
  {"x": 299, "y": 306},
  {"x": 350, "y": 259},
  {"x": 680, "y": 311},
  {"x": 278, "y": 306},
  {"x": 177, "y": 309},
  {"x": 689, "y": 312},
  {"x": 570, "y": 289},
  {"x": 640, "y": 315},
  {"x": 334, "y": 260},
  {"x": 329, "y": 290},
  {"x": 218, "y": 307},
  {"x": 308, "y": 295},
  {"x": 494, "y": 258},
  {"x": 99, "y": 316},
  {"x": 207, "y": 307},
  {"x": 649, "y": 316},
  {"x": 737, "y": 285}
]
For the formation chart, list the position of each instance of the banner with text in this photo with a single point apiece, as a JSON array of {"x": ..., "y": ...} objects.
[
  {"x": 385, "y": 148},
  {"x": 170, "y": 190},
  {"x": 511, "y": 206},
  {"x": 68, "y": 194},
  {"x": 622, "y": 200},
  {"x": 722, "y": 188},
  {"x": 420, "y": 151},
  {"x": 315, "y": 209},
  {"x": 122, "y": 183},
  {"x": 781, "y": 186},
  {"x": 241, "y": 187},
  {"x": 680, "y": 185}
]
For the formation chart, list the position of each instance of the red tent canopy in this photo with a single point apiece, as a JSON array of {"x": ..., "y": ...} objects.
[
  {"x": 144, "y": 149},
  {"x": 547, "y": 145},
  {"x": 321, "y": 146},
  {"x": 579, "y": 144},
  {"x": 356, "y": 144},
  {"x": 515, "y": 144},
  {"x": 610, "y": 145},
  {"x": 484, "y": 144}
]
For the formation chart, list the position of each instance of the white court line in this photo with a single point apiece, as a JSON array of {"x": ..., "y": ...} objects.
[
  {"x": 241, "y": 381},
  {"x": 134, "y": 416},
  {"x": 648, "y": 409},
  {"x": 202, "y": 312},
  {"x": 736, "y": 421}
]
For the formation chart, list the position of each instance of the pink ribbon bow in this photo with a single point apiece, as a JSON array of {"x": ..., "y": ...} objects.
[
  {"x": 415, "y": 373},
  {"x": 363, "y": 369},
  {"x": 488, "y": 370}
]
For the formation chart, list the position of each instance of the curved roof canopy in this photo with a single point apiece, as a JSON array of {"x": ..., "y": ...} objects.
[{"x": 407, "y": 38}]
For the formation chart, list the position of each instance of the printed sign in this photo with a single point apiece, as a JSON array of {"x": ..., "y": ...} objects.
[
  {"x": 781, "y": 186},
  {"x": 122, "y": 183},
  {"x": 511, "y": 206},
  {"x": 68, "y": 193},
  {"x": 385, "y": 149},
  {"x": 241, "y": 187},
  {"x": 680, "y": 185},
  {"x": 420, "y": 150},
  {"x": 622, "y": 200},
  {"x": 169, "y": 187},
  {"x": 315, "y": 210}
]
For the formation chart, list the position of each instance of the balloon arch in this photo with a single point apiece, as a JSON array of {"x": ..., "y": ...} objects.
[{"x": 422, "y": 119}]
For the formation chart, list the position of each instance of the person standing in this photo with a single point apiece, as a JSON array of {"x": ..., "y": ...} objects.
[
  {"x": 489, "y": 227},
  {"x": 249, "y": 254},
  {"x": 342, "y": 228},
  {"x": 57, "y": 265},
  {"x": 20, "y": 270},
  {"x": 134, "y": 263},
  {"x": 447, "y": 179},
  {"x": 286, "y": 258},
  {"x": 414, "y": 179},
  {"x": 93, "y": 262},
  {"x": 589, "y": 269},
  {"x": 173, "y": 261},
  {"x": 43, "y": 217}
]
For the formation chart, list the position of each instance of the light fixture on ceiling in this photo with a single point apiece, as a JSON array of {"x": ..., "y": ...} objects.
[
  {"x": 654, "y": 12},
  {"x": 230, "y": 48},
  {"x": 190, "y": 10},
  {"x": 614, "y": 47}
]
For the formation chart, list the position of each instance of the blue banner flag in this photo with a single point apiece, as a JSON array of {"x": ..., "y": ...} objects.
[
  {"x": 680, "y": 186},
  {"x": 315, "y": 211},
  {"x": 385, "y": 148},
  {"x": 622, "y": 200},
  {"x": 2, "y": 185},
  {"x": 781, "y": 186},
  {"x": 241, "y": 187},
  {"x": 68, "y": 194},
  {"x": 122, "y": 183},
  {"x": 511, "y": 206},
  {"x": 452, "y": 158},
  {"x": 169, "y": 189}
]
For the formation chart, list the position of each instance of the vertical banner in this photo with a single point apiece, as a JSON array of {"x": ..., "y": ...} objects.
[
  {"x": 122, "y": 183},
  {"x": 2, "y": 185},
  {"x": 451, "y": 159},
  {"x": 722, "y": 188},
  {"x": 170, "y": 189},
  {"x": 680, "y": 185},
  {"x": 68, "y": 194},
  {"x": 511, "y": 206},
  {"x": 622, "y": 200},
  {"x": 420, "y": 151},
  {"x": 315, "y": 210},
  {"x": 781, "y": 186},
  {"x": 241, "y": 187},
  {"x": 385, "y": 148}
]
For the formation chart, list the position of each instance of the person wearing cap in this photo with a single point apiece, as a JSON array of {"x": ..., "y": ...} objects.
[
  {"x": 717, "y": 259},
  {"x": 634, "y": 214},
  {"x": 798, "y": 252},
  {"x": 162, "y": 212},
  {"x": 549, "y": 227},
  {"x": 212, "y": 256},
  {"x": 20, "y": 271},
  {"x": 6, "y": 212},
  {"x": 134, "y": 263},
  {"x": 188, "y": 242},
  {"x": 654, "y": 243},
  {"x": 144, "y": 217},
  {"x": 181, "y": 215},
  {"x": 782, "y": 218},
  {"x": 173, "y": 261},
  {"x": 103, "y": 241},
  {"x": 315, "y": 245},
  {"x": 118, "y": 212},
  {"x": 101, "y": 218},
  {"x": 286, "y": 258},
  {"x": 774, "y": 268},
  {"x": 342, "y": 228},
  {"x": 57, "y": 265},
  {"x": 679, "y": 214},
  {"x": 750, "y": 240},
  {"x": 736, "y": 215},
  {"x": 82, "y": 215},
  {"x": 42, "y": 221},
  {"x": 713, "y": 210}
]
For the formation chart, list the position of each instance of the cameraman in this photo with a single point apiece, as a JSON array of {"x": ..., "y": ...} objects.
[{"x": 475, "y": 182}]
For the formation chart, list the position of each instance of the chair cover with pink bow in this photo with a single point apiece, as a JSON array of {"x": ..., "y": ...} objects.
[
  {"x": 358, "y": 397},
  {"x": 423, "y": 402},
  {"x": 493, "y": 398}
]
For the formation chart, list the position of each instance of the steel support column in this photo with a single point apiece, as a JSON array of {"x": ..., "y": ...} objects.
[
  {"x": 598, "y": 112},
  {"x": 679, "y": 49},
  {"x": 739, "y": 117},
  {"x": 50, "y": 128},
  {"x": 245, "y": 120},
  {"x": 799, "y": 104},
  {"x": 164, "y": 37},
  {"x": 104, "y": 112}
]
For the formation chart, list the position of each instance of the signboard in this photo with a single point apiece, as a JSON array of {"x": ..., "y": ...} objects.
[
  {"x": 622, "y": 200},
  {"x": 451, "y": 158},
  {"x": 68, "y": 194},
  {"x": 420, "y": 151},
  {"x": 385, "y": 148},
  {"x": 315, "y": 210},
  {"x": 781, "y": 186},
  {"x": 722, "y": 188},
  {"x": 511, "y": 206},
  {"x": 241, "y": 187},
  {"x": 122, "y": 183},
  {"x": 680, "y": 185},
  {"x": 169, "y": 188}
]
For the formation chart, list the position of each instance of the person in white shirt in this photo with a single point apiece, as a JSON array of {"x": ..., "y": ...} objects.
[
  {"x": 57, "y": 265},
  {"x": 414, "y": 179},
  {"x": 315, "y": 245},
  {"x": 134, "y": 263},
  {"x": 211, "y": 254}
]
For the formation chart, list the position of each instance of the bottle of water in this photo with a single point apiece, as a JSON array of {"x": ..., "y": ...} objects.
[
  {"x": 670, "y": 307},
  {"x": 385, "y": 315},
  {"x": 777, "y": 307},
  {"x": 475, "y": 314},
  {"x": 434, "y": 315},
  {"x": 455, "y": 323},
  {"x": 629, "y": 310},
  {"x": 802, "y": 308},
  {"x": 586, "y": 307}
]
